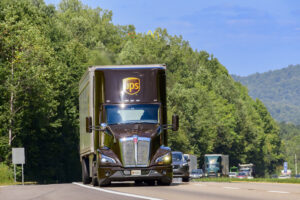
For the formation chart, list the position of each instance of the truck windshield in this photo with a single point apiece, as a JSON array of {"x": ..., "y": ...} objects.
[
  {"x": 176, "y": 156},
  {"x": 186, "y": 158},
  {"x": 132, "y": 113},
  {"x": 212, "y": 161}
]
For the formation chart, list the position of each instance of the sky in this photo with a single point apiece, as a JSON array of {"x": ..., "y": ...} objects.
[{"x": 247, "y": 36}]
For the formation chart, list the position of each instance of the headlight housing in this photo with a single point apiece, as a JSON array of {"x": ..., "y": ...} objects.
[
  {"x": 105, "y": 159},
  {"x": 165, "y": 159}
]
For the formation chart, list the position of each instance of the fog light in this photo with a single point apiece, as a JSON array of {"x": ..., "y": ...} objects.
[
  {"x": 107, "y": 173},
  {"x": 126, "y": 172}
]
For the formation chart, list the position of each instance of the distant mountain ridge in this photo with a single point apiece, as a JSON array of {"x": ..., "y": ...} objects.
[{"x": 279, "y": 90}]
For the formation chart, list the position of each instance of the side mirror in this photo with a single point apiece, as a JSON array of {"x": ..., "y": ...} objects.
[
  {"x": 175, "y": 123},
  {"x": 103, "y": 126},
  {"x": 88, "y": 124}
]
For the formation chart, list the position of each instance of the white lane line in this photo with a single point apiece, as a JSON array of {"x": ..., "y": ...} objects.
[
  {"x": 115, "y": 192},
  {"x": 200, "y": 184},
  {"x": 281, "y": 192},
  {"x": 231, "y": 188}
]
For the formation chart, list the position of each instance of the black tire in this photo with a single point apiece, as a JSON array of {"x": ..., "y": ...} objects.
[
  {"x": 164, "y": 182},
  {"x": 95, "y": 175},
  {"x": 185, "y": 179},
  {"x": 138, "y": 182},
  {"x": 103, "y": 183},
  {"x": 150, "y": 182},
  {"x": 85, "y": 173}
]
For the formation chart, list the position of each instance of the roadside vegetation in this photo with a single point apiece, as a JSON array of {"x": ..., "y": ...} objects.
[
  {"x": 279, "y": 90},
  {"x": 6, "y": 175}
]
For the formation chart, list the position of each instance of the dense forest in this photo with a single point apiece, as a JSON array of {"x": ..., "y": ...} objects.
[
  {"x": 279, "y": 90},
  {"x": 44, "y": 51}
]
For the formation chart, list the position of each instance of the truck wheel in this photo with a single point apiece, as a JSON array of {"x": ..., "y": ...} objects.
[
  {"x": 103, "y": 183},
  {"x": 138, "y": 182},
  {"x": 85, "y": 172},
  {"x": 185, "y": 179},
  {"x": 95, "y": 175},
  {"x": 164, "y": 182},
  {"x": 150, "y": 182}
]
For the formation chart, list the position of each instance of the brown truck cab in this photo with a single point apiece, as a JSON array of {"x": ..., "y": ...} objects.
[{"x": 123, "y": 125}]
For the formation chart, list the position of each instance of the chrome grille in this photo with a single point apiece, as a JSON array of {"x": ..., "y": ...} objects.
[
  {"x": 143, "y": 152},
  {"x": 135, "y": 151},
  {"x": 128, "y": 152}
]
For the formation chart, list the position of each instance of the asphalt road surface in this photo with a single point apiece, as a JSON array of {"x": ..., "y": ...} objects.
[{"x": 127, "y": 190}]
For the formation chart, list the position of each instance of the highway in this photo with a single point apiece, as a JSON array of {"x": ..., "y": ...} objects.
[{"x": 127, "y": 190}]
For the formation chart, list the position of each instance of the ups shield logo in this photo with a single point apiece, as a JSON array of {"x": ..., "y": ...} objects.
[{"x": 131, "y": 85}]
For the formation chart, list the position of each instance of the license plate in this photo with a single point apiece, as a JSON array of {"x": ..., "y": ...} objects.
[{"x": 136, "y": 172}]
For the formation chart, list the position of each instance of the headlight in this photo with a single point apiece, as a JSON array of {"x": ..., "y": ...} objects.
[
  {"x": 165, "y": 159},
  {"x": 105, "y": 159}
]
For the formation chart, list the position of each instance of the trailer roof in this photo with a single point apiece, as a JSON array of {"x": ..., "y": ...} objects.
[
  {"x": 95, "y": 67},
  {"x": 161, "y": 66}
]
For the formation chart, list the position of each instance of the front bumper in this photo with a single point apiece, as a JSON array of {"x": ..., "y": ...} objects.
[
  {"x": 107, "y": 174},
  {"x": 213, "y": 174},
  {"x": 196, "y": 176},
  {"x": 180, "y": 171}
]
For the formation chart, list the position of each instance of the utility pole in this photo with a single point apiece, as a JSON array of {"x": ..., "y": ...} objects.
[{"x": 296, "y": 164}]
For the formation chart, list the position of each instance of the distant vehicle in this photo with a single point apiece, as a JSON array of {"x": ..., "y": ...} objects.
[
  {"x": 232, "y": 174},
  {"x": 297, "y": 176},
  {"x": 216, "y": 165},
  {"x": 234, "y": 169},
  {"x": 247, "y": 168},
  {"x": 192, "y": 161},
  {"x": 180, "y": 166},
  {"x": 287, "y": 172},
  {"x": 274, "y": 176},
  {"x": 242, "y": 175},
  {"x": 284, "y": 176},
  {"x": 196, "y": 173}
]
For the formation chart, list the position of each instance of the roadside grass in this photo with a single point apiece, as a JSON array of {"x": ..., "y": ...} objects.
[
  {"x": 262, "y": 180},
  {"x": 6, "y": 175},
  {"x": 6, "y": 183},
  {"x": 16, "y": 183}
]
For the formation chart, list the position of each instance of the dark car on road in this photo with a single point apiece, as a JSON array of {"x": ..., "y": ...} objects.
[
  {"x": 180, "y": 166},
  {"x": 242, "y": 175},
  {"x": 196, "y": 173},
  {"x": 274, "y": 176}
]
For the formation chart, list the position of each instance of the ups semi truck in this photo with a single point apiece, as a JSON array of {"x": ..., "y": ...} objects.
[
  {"x": 123, "y": 125},
  {"x": 216, "y": 165}
]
